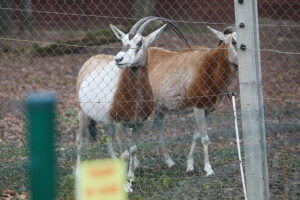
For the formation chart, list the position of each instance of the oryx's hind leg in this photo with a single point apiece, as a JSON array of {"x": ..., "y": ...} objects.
[
  {"x": 200, "y": 132},
  {"x": 158, "y": 125},
  {"x": 92, "y": 130},
  {"x": 87, "y": 127},
  {"x": 86, "y": 134},
  {"x": 81, "y": 137}
]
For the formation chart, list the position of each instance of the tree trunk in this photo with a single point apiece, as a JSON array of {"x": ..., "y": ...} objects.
[
  {"x": 143, "y": 8},
  {"x": 25, "y": 16},
  {"x": 5, "y": 16},
  {"x": 82, "y": 17}
]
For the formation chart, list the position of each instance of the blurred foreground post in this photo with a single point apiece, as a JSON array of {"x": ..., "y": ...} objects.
[{"x": 40, "y": 113}]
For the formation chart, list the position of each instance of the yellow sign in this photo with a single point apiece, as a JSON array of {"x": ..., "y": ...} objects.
[{"x": 102, "y": 180}]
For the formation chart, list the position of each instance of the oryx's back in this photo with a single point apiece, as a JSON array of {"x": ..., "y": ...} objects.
[
  {"x": 98, "y": 61},
  {"x": 170, "y": 74}
]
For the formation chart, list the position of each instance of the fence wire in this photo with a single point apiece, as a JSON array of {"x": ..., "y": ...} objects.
[{"x": 44, "y": 44}]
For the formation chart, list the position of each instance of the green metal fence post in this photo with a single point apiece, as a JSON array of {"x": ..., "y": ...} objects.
[{"x": 40, "y": 108}]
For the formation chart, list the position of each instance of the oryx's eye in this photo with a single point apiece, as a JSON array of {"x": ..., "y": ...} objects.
[{"x": 139, "y": 44}]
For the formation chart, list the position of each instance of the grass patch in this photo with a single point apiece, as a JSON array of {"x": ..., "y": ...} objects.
[
  {"x": 78, "y": 44},
  {"x": 154, "y": 180}
]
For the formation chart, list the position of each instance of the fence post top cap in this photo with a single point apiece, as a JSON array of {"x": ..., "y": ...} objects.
[{"x": 40, "y": 98}]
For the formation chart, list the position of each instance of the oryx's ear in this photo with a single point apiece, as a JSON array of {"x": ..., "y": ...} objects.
[
  {"x": 218, "y": 34},
  {"x": 119, "y": 34},
  {"x": 150, "y": 38}
]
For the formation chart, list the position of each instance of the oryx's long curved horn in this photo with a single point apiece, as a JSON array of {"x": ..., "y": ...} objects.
[
  {"x": 174, "y": 27},
  {"x": 135, "y": 27}
]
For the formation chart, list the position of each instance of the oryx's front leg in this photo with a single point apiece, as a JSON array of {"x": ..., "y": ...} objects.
[
  {"x": 120, "y": 134},
  {"x": 133, "y": 161},
  {"x": 109, "y": 130},
  {"x": 125, "y": 143},
  {"x": 200, "y": 132},
  {"x": 158, "y": 125}
]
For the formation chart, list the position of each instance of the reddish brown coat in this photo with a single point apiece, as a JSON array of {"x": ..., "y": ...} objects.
[
  {"x": 133, "y": 100},
  {"x": 184, "y": 79}
]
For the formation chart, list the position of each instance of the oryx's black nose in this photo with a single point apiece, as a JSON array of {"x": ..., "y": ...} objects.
[{"x": 118, "y": 59}]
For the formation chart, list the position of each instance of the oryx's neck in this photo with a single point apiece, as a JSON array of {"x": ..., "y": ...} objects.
[
  {"x": 212, "y": 78},
  {"x": 108, "y": 93},
  {"x": 132, "y": 100}
]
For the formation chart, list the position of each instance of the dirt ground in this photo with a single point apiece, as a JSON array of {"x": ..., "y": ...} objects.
[{"x": 21, "y": 74}]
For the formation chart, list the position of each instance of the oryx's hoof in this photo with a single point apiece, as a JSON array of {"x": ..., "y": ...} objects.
[
  {"x": 190, "y": 165},
  {"x": 170, "y": 163},
  {"x": 208, "y": 169},
  {"x": 136, "y": 162},
  {"x": 128, "y": 187},
  {"x": 125, "y": 155}
]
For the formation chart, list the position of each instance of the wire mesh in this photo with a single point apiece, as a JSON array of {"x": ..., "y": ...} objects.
[{"x": 44, "y": 44}]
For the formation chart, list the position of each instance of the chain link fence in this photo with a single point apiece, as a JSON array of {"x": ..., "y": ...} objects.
[{"x": 43, "y": 45}]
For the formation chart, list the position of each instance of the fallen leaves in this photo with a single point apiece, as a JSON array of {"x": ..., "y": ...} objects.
[{"x": 10, "y": 195}]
